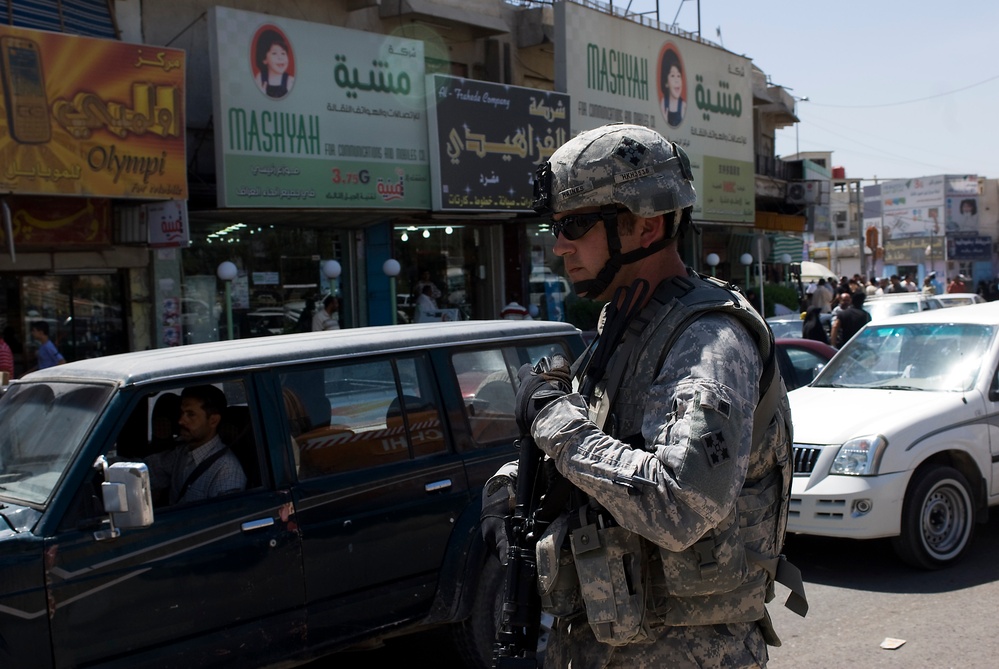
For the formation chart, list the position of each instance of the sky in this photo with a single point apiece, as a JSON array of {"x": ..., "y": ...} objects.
[{"x": 896, "y": 88}]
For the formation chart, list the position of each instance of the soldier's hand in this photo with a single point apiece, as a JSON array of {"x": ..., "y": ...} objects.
[
  {"x": 498, "y": 499},
  {"x": 550, "y": 379}
]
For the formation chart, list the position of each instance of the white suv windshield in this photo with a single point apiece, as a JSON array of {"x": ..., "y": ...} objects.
[
  {"x": 937, "y": 356},
  {"x": 43, "y": 425}
]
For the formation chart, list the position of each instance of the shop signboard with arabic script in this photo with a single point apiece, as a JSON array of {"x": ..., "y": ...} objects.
[
  {"x": 697, "y": 95},
  {"x": 318, "y": 116},
  {"x": 491, "y": 139},
  {"x": 91, "y": 117}
]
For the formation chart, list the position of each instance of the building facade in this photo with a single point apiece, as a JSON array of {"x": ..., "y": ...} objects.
[{"x": 399, "y": 141}]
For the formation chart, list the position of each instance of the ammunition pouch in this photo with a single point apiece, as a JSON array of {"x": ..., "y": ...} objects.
[
  {"x": 610, "y": 564},
  {"x": 716, "y": 563},
  {"x": 558, "y": 584}
]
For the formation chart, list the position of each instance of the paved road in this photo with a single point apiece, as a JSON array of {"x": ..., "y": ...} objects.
[{"x": 859, "y": 595}]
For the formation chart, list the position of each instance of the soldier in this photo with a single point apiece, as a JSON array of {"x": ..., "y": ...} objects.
[{"x": 677, "y": 449}]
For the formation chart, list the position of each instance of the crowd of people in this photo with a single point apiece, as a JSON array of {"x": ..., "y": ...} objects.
[{"x": 843, "y": 300}]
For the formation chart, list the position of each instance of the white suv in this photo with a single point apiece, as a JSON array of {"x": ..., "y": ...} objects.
[
  {"x": 896, "y": 304},
  {"x": 893, "y": 438}
]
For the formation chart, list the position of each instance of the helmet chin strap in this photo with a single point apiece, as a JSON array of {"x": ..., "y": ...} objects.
[{"x": 593, "y": 287}]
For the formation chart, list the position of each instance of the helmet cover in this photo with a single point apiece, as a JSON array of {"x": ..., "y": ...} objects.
[{"x": 617, "y": 163}]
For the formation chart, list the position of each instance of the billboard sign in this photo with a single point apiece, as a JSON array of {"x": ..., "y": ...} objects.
[
  {"x": 694, "y": 94},
  {"x": 490, "y": 140},
  {"x": 91, "y": 117},
  {"x": 318, "y": 116}
]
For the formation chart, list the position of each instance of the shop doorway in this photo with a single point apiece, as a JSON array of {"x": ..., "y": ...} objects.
[{"x": 85, "y": 314}]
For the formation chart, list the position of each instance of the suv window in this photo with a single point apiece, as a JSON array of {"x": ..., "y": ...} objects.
[
  {"x": 488, "y": 381},
  {"x": 351, "y": 416}
]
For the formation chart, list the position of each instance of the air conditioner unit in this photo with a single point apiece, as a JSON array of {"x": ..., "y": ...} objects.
[{"x": 796, "y": 193}]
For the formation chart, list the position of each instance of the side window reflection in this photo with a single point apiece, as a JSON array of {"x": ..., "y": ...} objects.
[{"x": 354, "y": 416}]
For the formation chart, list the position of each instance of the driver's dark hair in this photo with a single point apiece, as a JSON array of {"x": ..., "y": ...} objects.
[{"x": 212, "y": 399}]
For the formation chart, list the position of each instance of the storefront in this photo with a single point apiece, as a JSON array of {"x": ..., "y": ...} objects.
[{"x": 91, "y": 128}]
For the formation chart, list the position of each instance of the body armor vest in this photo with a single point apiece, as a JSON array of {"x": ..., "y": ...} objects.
[{"x": 727, "y": 575}]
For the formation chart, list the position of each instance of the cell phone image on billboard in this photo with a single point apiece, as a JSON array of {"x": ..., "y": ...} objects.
[{"x": 24, "y": 88}]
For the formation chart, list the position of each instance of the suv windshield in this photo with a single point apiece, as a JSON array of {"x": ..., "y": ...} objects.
[
  {"x": 43, "y": 425},
  {"x": 935, "y": 356}
]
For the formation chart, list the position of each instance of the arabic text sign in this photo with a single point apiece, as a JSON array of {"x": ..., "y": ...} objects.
[
  {"x": 490, "y": 140},
  {"x": 312, "y": 115},
  {"x": 84, "y": 116},
  {"x": 693, "y": 94}
]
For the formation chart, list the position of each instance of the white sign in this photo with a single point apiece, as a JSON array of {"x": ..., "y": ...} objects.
[
  {"x": 696, "y": 95},
  {"x": 312, "y": 115},
  {"x": 167, "y": 223}
]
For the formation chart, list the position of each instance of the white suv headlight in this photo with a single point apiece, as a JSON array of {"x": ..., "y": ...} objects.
[{"x": 860, "y": 456}]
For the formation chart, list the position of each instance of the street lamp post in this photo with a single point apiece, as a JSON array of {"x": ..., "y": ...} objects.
[
  {"x": 747, "y": 260},
  {"x": 391, "y": 267},
  {"x": 712, "y": 259},
  {"x": 331, "y": 270},
  {"x": 785, "y": 259},
  {"x": 227, "y": 271},
  {"x": 797, "y": 147}
]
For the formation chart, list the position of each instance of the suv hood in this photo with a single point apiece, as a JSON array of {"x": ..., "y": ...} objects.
[{"x": 835, "y": 415}]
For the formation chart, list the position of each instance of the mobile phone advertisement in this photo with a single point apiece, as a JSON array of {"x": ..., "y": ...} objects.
[{"x": 84, "y": 116}]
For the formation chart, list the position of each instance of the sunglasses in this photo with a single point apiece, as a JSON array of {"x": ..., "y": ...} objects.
[{"x": 575, "y": 226}]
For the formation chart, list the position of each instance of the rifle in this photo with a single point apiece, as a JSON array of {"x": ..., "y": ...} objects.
[
  {"x": 520, "y": 622},
  {"x": 537, "y": 506}
]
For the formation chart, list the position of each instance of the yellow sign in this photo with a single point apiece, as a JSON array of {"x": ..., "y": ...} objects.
[{"x": 83, "y": 116}]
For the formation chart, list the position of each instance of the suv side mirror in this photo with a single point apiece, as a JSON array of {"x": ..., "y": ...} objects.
[{"x": 127, "y": 496}]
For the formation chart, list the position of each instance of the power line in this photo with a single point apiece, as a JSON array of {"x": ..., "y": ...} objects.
[{"x": 906, "y": 102}]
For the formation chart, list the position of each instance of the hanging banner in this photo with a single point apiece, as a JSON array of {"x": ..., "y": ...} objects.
[
  {"x": 318, "y": 116},
  {"x": 85, "y": 116}
]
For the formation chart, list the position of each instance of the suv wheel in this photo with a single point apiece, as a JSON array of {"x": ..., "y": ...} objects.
[
  {"x": 474, "y": 636},
  {"x": 937, "y": 519}
]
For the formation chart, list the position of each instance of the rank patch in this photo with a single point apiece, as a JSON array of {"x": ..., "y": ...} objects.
[{"x": 715, "y": 448}]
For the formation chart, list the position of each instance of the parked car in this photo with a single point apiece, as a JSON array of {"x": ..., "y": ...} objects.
[
  {"x": 788, "y": 326},
  {"x": 895, "y": 304},
  {"x": 799, "y": 360},
  {"x": 892, "y": 438},
  {"x": 365, "y": 451},
  {"x": 959, "y": 299}
]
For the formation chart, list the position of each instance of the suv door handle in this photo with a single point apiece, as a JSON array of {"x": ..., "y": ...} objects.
[
  {"x": 259, "y": 524},
  {"x": 437, "y": 486}
]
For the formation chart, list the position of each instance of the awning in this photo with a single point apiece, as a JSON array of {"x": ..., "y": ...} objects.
[
  {"x": 90, "y": 18},
  {"x": 781, "y": 244}
]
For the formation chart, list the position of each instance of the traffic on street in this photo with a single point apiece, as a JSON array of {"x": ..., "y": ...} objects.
[{"x": 860, "y": 597}]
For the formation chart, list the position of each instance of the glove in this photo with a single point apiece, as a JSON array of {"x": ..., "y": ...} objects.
[
  {"x": 498, "y": 499},
  {"x": 539, "y": 386}
]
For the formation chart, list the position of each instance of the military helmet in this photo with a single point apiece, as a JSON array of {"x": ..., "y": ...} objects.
[{"x": 617, "y": 163}]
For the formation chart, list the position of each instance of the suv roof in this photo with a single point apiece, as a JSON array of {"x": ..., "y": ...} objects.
[
  {"x": 894, "y": 304},
  {"x": 180, "y": 361},
  {"x": 978, "y": 314}
]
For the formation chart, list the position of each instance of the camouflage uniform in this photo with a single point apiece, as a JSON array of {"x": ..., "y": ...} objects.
[
  {"x": 704, "y": 395},
  {"x": 680, "y": 514}
]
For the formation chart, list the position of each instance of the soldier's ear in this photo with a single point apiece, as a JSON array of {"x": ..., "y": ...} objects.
[{"x": 651, "y": 229}]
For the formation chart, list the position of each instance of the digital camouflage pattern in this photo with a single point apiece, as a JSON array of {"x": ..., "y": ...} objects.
[
  {"x": 627, "y": 164},
  {"x": 696, "y": 422}
]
